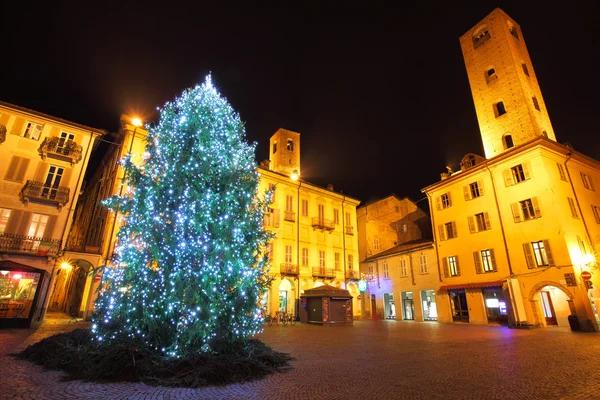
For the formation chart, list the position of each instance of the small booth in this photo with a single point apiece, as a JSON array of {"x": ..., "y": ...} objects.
[
  {"x": 326, "y": 305},
  {"x": 22, "y": 290}
]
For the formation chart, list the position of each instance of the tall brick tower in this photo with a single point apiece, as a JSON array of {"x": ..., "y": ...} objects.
[
  {"x": 284, "y": 152},
  {"x": 508, "y": 99}
]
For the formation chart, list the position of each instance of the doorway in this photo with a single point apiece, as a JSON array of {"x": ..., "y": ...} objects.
[
  {"x": 548, "y": 308},
  {"x": 389, "y": 306},
  {"x": 408, "y": 306},
  {"x": 373, "y": 306},
  {"x": 458, "y": 303}
]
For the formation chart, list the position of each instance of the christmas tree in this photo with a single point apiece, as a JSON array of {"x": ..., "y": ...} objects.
[{"x": 190, "y": 264}]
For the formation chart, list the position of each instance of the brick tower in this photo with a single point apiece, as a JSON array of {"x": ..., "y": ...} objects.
[
  {"x": 284, "y": 152},
  {"x": 508, "y": 99}
]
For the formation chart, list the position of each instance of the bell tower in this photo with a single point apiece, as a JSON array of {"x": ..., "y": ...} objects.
[
  {"x": 506, "y": 93},
  {"x": 284, "y": 152}
]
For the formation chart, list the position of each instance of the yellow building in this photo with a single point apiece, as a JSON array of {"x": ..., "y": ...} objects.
[
  {"x": 316, "y": 241},
  {"x": 43, "y": 163},
  {"x": 515, "y": 230},
  {"x": 398, "y": 260}
]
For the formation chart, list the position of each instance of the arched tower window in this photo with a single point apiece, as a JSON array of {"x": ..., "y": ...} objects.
[
  {"x": 490, "y": 74},
  {"x": 499, "y": 109},
  {"x": 481, "y": 36},
  {"x": 507, "y": 140},
  {"x": 513, "y": 30},
  {"x": 290, "y": 145}
]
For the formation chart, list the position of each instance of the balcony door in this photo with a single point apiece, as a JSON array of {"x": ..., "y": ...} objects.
[
  {"x": 321, "y": 213},
  {"x": 52, "y": 182},
  {"x": 62, "y": 141}
]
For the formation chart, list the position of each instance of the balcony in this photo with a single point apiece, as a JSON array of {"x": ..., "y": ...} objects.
[
  {"x": 323, "y": 223},
  {"x": 39, "y": 246},
  {"x": 38, "y": 192},
  {"x": 322, "y": 272},
  {"x": 349, "y": 230},
  {"x": 63, "y": 150},
  {"x": 290, "y": 216},
  {"x": 288, "y": 269},
  {"x": 2, "y": 133},
  {"x": 352, "y": 274}
]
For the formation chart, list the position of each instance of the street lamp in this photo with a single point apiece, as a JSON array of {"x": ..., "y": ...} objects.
[{"x": 136, "y": 122}]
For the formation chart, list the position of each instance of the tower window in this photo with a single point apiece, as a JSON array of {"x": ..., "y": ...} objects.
[
  {"x": 274, "y": 147},
  {"x": 499, "y": 109},
  {"x": 481, "y": 36},
  {"x": 490, "y": 75},
  {"x": 290, "y": 145},
  {"x": 535, "y": 103},
  {"x": 508, "y": 142},
  {"x": 525, "y": 70},
  {"x": 513, "y": 31}
]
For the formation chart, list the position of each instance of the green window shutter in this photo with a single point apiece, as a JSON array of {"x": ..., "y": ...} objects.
[
  {"x": 526, "y": 170},
  {"x": 549, "y": 253},
  {"x": 445, "y": 264},
  {"x": 508, "y": 179},
  {"x": 471, "y": 221},
  {"x": 24, "y": 223},
  {"x": 438, "y": 203},
  {"x": 442, "y": 232},
  {"x": 14, "y": 220},
  {"x": 457, "y": 266},
  {"x": 480, "y": 186},
  {"x": 486, "y": 217},
  {"x": 516, "y": 212},
  {"x": 467, "y": 192},
  {"x": 536, "y": 207},
  {"x": 11, "y": 172},
  {"x": 493, "y": 258},
  {"x": 454, "y": 232},
  {"x": 22, "y": 169},
  {"x": 529, "y": 255},
  {"x": 477, "y": 260}
]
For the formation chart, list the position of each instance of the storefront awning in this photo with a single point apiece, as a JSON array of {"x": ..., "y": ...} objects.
[{"x": 472, "y": 285}]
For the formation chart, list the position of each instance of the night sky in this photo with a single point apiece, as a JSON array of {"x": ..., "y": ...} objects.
[{"x": 379, "y": 95}]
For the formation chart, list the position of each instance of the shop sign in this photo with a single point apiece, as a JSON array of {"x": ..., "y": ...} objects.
[
  {"x": 570, "y": 279},
  {"x": 362, "y": 285}
]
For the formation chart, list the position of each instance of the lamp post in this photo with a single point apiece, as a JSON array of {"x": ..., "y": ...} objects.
[{"x": 295, "y": 176}]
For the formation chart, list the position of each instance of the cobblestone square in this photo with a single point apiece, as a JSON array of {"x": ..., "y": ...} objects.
[{"x": 369, "y": 360}]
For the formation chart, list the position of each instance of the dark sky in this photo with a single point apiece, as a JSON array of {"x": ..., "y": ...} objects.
[{"x": 379, "y": 94}]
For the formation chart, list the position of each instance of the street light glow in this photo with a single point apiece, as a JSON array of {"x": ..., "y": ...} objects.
[
  {"x": 136, "y": 122},
  {"x": 294, "y": 175}
]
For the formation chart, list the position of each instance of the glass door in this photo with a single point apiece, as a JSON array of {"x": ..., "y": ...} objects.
[
  {"x": 548, "y": 308},
  {"x": 458, "y": 302},
  {"x": 52, "y": 182}
]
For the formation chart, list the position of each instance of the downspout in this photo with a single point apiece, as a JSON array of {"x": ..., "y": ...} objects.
[
  {"x": 298, "y": 250},
  {"x": 434, "y": 231},
  {"x": 510, "y": 271},
  {"x": 344, "y": 242},
  {"x": 587, "y": 232}
]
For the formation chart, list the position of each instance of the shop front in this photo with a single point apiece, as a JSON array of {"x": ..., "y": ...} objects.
[
  {"x": 429, "y": 305},
  {"x": 22, "y": 290},
  {"x": 389, "y": 306},
  {"x": 408, "y": 306},
  {"x": 495, "y": 304}
]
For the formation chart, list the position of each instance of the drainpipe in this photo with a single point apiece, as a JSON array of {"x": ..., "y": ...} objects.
[
  {"x": 434, "y": 231},
  {"x": 298, "y": 250},
  {"x": 501, "y": 224},
  {"x": 587, "y": 232},
  {"x": 343, "y": 216}
]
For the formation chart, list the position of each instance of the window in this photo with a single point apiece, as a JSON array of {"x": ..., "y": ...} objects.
[
  {"x": 321, "y": 258},
  {"x": 485, "y": 261},
  {"x": 479, "y": 222},
  {"x": 561, "y": 172},
  {"x": 447, "y": 230},
  {"x": 371, "y": 272},
  {"x": 526, "y": 210},
  {"x": 538, "y": 254},
  {"x": 481, "y": 36},
  {"x": 290, "y": 145},
  {"x": 63, "y": 140},
  {"x": 423, "y": 264},
  {"x": 451, "y": 267},
  {"x": 572, "y": 207},
  {"x": 473, "y": 190},
  {"x": 37, "y": 226},
  {"x": 403, "y": 269},
  {"x": 17, "y": 169},
  {"x": 350, "y": 261},
  {"x": 517, "y": 174},
  {"x": 336, "y": 216},
  {"x": 321, "y": 210},
  {"x": 386, "y": 270},
  {"x": 525, "y": 70},
  {"x": 289, "y": 203},
  {"x": 304, "y": 208},
  {"x": 513, "y": 31},
  {"x": 271, "y": 190},
  {"x": 587, "y": 181},
  {"x": 348, "y": 219},
  {"x": 507, "y": 140},
  {"x": 4, "y": 215},
  {"x": 274, "y": 147},
  {"x": 304, "y": 257},
  {"x": 535, "y": 103},
  {"x": 490, "y": 75},
  {"x": 288, "y": 254},
  {"x": 52, "y": 183},
  {"x": 499, "y": 109},
  {"x": 33, "y": 130},
  {"x": 443, "y": 201},
  {"x": 375, "y": 243},
  {"x": 596, "y": 211},
  {"x": 337, "y": 261}
]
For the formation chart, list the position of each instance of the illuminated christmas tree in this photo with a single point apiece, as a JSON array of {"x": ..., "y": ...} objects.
[{"x": 190, "y": 263}]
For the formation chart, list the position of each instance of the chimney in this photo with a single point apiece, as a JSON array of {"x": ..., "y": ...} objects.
[{"x": 330, "y": 187}]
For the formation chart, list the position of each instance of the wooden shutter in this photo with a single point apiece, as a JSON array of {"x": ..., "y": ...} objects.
[
  {"x": 41, "y": 172},
  {"x": 18, "y": 126},
  {"x": 471, "y": 221},
  {"x": 591, "y": 183},
  {"x": 22, "y": 170},
  {"x": 526, "y": 170},
  {"x": 48, "y": 232},
  {"x": 467, "y": 192},
  {"x": 493, "y": 258},
  {"x": 442, "y": 232},
  {"x": 548, "y": 253},
  {"x": 276, "y": 218},
  {"x": 480, "y": 187},
  {"x": 536, "y": 207},
  {"x": 24, "y": 223},
  {"x": 516, "y": 211},
  {"x": 12, "y": 168},
  {"x": 561, "y": 171},
  {"x": 508, "y": 179},
  {"x": 477, "y": 260},
  {"x": 445, "y": 265},
  {"x": 454, "y": 234},
  {"x": 529, "y": 255},
  {"x": 572, "y": 207},
  {"x": 438, "y": 203},
  {"x": 66, "y": 177},
  {"x": 14, "y": 220},
  {"x": 449, "y": 199},
  {"x": 457, "y": 266},
  {"x": 596, "y": 212},
  {"x": 486, "y": 218}
]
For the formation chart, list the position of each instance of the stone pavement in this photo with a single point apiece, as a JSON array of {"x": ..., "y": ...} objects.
[{"x": 370, "y": 360}]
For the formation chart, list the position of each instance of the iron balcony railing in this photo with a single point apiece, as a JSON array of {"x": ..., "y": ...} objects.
[
  {"x": 322, "y": 272},
  {"x": 350, "y": 230},
  {"x": 37, "y": 191},
  {"x": 57, "y": 148},
  {"x": 2, "y": 133},
  {"x": 11, "y": 243},
  {"x": 289, "y": 216},
  {"x": 352, "y": 274},
  {"x": 323, "y": 223},
  {"x": 288, "y": 269}
]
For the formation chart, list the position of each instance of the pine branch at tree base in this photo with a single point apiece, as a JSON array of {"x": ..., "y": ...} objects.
[{"x": 129, "y": 360}]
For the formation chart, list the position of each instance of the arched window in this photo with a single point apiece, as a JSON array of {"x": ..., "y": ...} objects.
[
  {"x": 508, "y": 142},
  {"x": 490, "y": 74},
  {"x": 499, "y": 109},
  {"x": 481, "y": 36}
]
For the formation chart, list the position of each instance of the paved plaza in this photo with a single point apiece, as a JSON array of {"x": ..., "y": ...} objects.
[{"x": 370, "y": 360}]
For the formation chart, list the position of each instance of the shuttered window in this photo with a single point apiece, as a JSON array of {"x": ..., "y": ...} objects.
[
  {"x": 17, "y": 169},
  {"x": 573, "y": 208}
]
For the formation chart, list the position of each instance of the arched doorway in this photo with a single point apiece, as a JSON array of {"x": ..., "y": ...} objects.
[
  {"x": 69, "y": 287},
  {"x": 551, "y": 304},
  {"x": 287, "y": 296}
]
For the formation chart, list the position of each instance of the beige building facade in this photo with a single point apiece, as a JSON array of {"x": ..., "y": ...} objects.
[
  {"x": 44, "y": 159},
  {"x": 515, "y": 232}
]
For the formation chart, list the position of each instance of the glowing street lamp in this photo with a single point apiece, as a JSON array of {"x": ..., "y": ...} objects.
[
  {"x": 136, "y": 122},
  {"x": 295, "y": 175}
]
